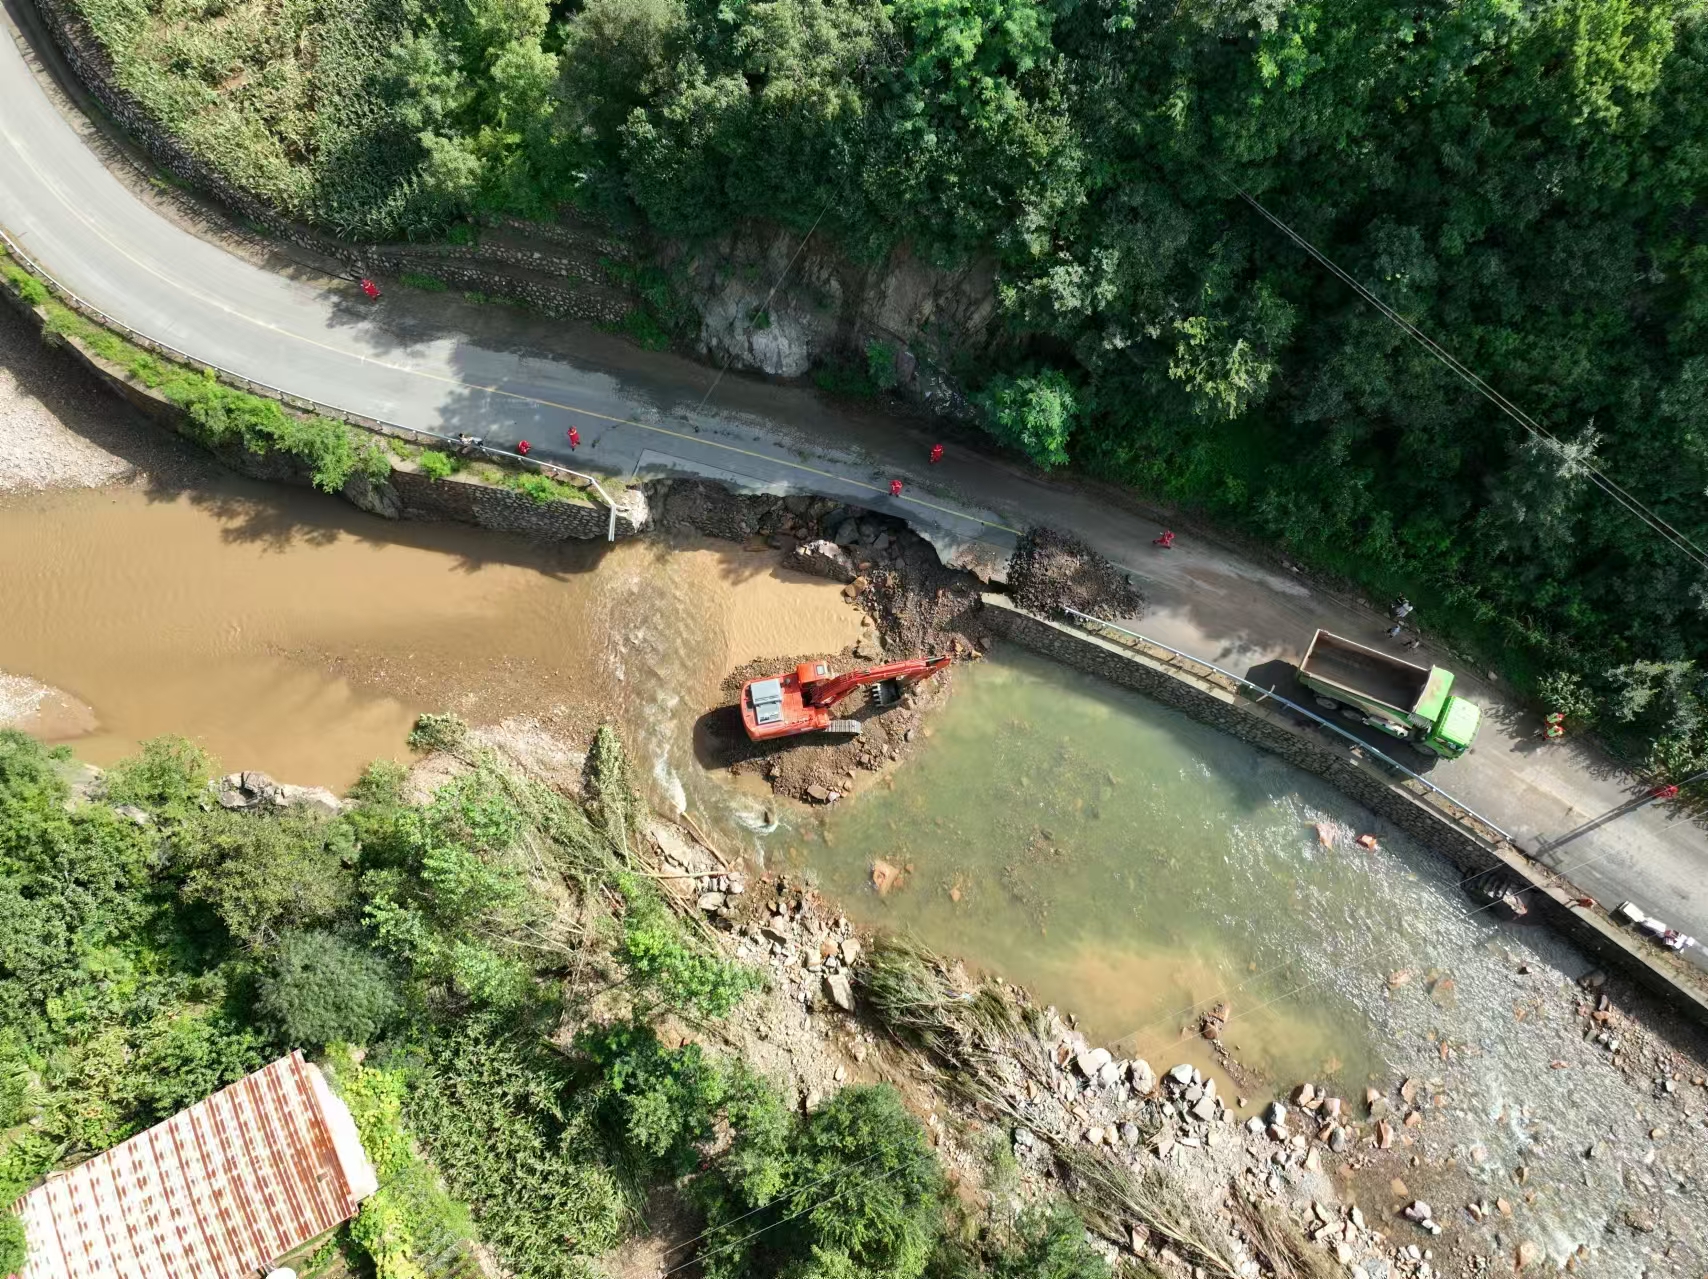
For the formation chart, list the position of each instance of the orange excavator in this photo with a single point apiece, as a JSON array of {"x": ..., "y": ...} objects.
[{"x": 800, "y": 701}]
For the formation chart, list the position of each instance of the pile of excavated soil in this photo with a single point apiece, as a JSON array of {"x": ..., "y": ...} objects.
[
  {"x": 914, "y": 605},
  {"x": 1050, "y": 571}
]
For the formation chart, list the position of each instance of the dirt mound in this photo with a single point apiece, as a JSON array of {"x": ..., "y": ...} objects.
[{"x": 1050, "y": 571}]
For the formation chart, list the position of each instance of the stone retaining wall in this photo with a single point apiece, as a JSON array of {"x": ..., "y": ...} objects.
[
  {"x": 404, "y": 495},
  {"x": 593, "y": 304},
  {"x": 508, "y": 511},
  {"x": 1360, "y": 779}
]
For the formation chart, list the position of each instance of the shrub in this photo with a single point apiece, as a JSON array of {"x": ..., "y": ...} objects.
[
  {"x": 437, "y": 733},
  {"x": 168, "y": 777},
  {"x": 1034, "y": 413},
  {"x": 542, "y": 488},
  {"x": 654, "y": 1102},
  {"x": 881, "y": 365},
  {"x": 684, "y": 979},
  {"x": 1567, "y": 693},
  {"x": 489, "y": 1104},
  {"x": 1048, "y": 1243},
  {"x": 262, "y": 872},
  {"x": 436, "y": 465},
  {"x": 321, "y": 988},
  {"x": 884, "y": 1218},
  {"x": 640, "y": 324},
  {"x": 410, "y": 1218}
]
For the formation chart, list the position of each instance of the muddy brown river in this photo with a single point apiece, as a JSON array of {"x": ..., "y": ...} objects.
[{"x": 286, "y": 632}]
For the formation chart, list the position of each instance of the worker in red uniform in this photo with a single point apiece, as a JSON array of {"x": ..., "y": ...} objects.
[
  {"x": 574, "y": 438},
  {"x": 1664, "y": 792},
  {"x": 936, "y": 454},
  {"x": 523, "y": 448},
  {"x": 1166, "y": 541},
  {"x": 371, "y": 289},
  {"x": 895, "y": 488}
]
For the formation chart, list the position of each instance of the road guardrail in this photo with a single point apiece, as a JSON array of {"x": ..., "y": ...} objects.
[{"x": 1238, "y": 684}]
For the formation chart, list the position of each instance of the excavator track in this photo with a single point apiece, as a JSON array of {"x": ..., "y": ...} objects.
[{"x": 851, "y": 726}]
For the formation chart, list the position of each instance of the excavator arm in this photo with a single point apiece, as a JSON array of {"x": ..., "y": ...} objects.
[{"x": 827, "y": 692}]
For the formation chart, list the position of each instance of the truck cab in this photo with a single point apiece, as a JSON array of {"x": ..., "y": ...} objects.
[{"x": 1411, "y": 702}]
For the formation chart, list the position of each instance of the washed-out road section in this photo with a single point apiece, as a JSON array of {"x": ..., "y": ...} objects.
[{"x": 433, "y": 363}]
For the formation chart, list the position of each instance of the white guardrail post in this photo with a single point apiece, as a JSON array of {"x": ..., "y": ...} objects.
[
  {"x": 1269, "y": 694},
  {"x": 361, "y": 421}
]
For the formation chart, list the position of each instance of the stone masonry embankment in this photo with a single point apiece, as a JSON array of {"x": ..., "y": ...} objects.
[
  {"x": 1357, "y": 777},
  {"x": 405, "y": 494}
]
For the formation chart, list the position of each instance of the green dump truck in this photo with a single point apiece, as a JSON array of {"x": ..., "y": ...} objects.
[{"x": 1378, "y": 689}]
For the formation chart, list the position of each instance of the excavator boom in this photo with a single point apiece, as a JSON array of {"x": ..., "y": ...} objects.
[
  {"x": 828, "y": 692},
  {"x": 800, "y": 701}
]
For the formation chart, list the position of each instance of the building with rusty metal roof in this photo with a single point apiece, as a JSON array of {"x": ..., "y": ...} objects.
[{"x": 219, "y": 1191}]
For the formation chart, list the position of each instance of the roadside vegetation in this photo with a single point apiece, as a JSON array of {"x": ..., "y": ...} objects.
[
  {"x": 485, "y": 978},
  {"x": 1521, "y": 180}
]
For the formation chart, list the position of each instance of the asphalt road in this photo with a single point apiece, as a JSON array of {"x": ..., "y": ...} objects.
[{"x": 436, "y": 363}]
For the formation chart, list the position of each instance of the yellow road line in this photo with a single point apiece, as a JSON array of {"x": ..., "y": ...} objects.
[{"x": 221, "y": 305}]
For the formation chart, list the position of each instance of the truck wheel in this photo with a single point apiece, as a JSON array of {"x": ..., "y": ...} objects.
[
  {"x": 1328, "y": 703},
  {"x": 1354, "y": 716}
]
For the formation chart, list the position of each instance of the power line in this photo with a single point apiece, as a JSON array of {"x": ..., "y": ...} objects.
[
  {"x": 1666, "y": 531},
  {"x": 735, "y": 1243},
  {"x": 765, "y": 307}
]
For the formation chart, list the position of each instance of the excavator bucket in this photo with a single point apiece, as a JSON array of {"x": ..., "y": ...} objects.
[{"x": 885, "y": 693}]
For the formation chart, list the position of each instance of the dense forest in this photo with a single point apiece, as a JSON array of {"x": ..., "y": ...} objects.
[
  {"x": 1524, "y": 179},
  {"x": 504, "y": 974}
]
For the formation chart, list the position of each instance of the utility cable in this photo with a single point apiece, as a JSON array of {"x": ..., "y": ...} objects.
[
  {"x": 765, "y": 307},
  {"x": 811, "y": 1185},
  {"x": 1650, "y": 518},
  {"x": 736, "y": 1243}
]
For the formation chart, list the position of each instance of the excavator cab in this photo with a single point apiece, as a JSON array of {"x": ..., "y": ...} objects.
[{"x": 800, "y": 701}]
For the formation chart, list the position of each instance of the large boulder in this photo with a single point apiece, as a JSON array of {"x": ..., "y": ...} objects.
[{"x": 823, "y": 558}]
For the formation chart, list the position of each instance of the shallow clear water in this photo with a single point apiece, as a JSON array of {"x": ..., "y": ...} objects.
[{"x": 1134, "y": 867}]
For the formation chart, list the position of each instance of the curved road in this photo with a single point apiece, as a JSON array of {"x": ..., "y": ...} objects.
[{"x": 437, "y": 364}]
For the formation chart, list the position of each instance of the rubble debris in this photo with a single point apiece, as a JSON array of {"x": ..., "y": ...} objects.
[{"x": 1050, "y": 571}]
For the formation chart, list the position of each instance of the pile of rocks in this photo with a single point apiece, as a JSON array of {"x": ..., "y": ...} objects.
[
  {"x": 813, "y": 956},
  {"x": 252, "y": 789},
  {"x": 1050, "y": 571},
  {"x": 687, "y": 865}
]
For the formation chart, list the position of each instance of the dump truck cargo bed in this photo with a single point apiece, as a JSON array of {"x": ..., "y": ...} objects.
[{"x": 1365, "y": 671}]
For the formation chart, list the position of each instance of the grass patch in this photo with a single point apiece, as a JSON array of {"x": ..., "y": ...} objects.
[
  {"x": 439, "y": 466},
  {"x": 25, "y": 285},
  {"x": 421, "y": 280},
  {"x": 218, "y": 414}
]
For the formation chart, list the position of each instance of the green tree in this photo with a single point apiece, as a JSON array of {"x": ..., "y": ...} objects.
[
  {"x": 882, "y": 1221},
  {"x": 1033, "y": 412},
  {"x": 168, "y": 777},
  {"x": 262, "y": 873},
  {"x": 320, "y": 988}
]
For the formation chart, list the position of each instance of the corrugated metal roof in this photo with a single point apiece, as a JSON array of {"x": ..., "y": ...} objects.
[{"x": 218, "y": 1191}]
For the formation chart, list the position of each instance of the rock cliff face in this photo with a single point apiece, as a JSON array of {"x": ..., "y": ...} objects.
[{"x": 828, "y": 306}]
